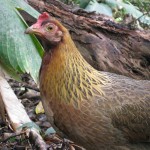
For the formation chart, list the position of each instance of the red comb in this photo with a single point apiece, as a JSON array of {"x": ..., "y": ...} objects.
[{"x": 43, "y": 16}]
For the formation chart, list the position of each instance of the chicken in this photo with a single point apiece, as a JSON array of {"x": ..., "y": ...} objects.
[{"x": 98, "y": 110}]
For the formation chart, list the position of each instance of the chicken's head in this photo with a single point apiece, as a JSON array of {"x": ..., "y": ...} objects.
[{"x": 48, "y": 28}]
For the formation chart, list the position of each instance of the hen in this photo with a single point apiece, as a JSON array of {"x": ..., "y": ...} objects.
[{"x": 98, "y": 110}]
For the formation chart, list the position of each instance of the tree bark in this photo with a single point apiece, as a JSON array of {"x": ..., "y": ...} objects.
[{"x": 106, "y": 45}]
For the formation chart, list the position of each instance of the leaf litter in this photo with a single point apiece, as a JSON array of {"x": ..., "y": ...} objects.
[{"x": 29, "y": 95}]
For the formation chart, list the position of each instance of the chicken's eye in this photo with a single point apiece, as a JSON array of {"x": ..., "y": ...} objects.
[{"x": 49, "y": 28}]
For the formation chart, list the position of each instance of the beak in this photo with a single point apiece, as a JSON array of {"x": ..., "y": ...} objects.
[
  {"x": 30, "y": 30},
  {"x": 34, "y": 29}
]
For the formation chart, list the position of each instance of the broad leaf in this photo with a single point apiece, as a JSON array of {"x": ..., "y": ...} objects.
[
  {"x": 130, "y": 9},
  {"x": 84, "y": 3},
  {"x": 18, "y": 52},
  {"x": 21, "y": 4},
  {"x": 99, "y": 8}
]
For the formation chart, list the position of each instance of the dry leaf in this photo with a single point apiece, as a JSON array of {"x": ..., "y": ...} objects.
[{"x": 39, "y": 108}]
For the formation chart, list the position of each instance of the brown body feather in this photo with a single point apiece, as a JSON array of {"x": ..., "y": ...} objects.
[{"x": 99, "y": 110}]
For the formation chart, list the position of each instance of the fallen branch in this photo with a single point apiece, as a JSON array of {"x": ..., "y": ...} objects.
[
  {"x": 17, "y": 115},
  {"x": 105, "y": 44}
]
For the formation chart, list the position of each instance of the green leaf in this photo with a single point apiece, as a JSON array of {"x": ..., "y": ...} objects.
[
  {"x": 50, "y": 131},
  {"x": 84, "y": 3},
  {"x": 21, "y": 4},
  {"x": 12, "y": 139},
  {"x": 130, "y": 9},
  {"x": 99, "y": 8},
  {"x": 30, "y": 125},
  {"x": 119, "y": 19},
  {"x": 133, "y": 10},
  {"x": 18, "y": 51},
  {"x": 112, "y": 3}
]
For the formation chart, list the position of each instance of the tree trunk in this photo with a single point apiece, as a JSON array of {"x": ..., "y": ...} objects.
[{"x": 106, "y": 45}]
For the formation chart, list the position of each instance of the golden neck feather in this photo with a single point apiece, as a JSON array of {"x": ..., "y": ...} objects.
[{"x": 68, "y": 76}]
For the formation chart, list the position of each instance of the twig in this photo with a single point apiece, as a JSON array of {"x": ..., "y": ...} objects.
[
  {"x": 142, "y": 15},
  {"x": 13, "y": 135},
  {"x": 30, "y": 87},
  {"x": 26, "y": 86}
]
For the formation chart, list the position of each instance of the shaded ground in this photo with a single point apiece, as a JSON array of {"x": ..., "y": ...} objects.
[{"x": 29, "y": 95}]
